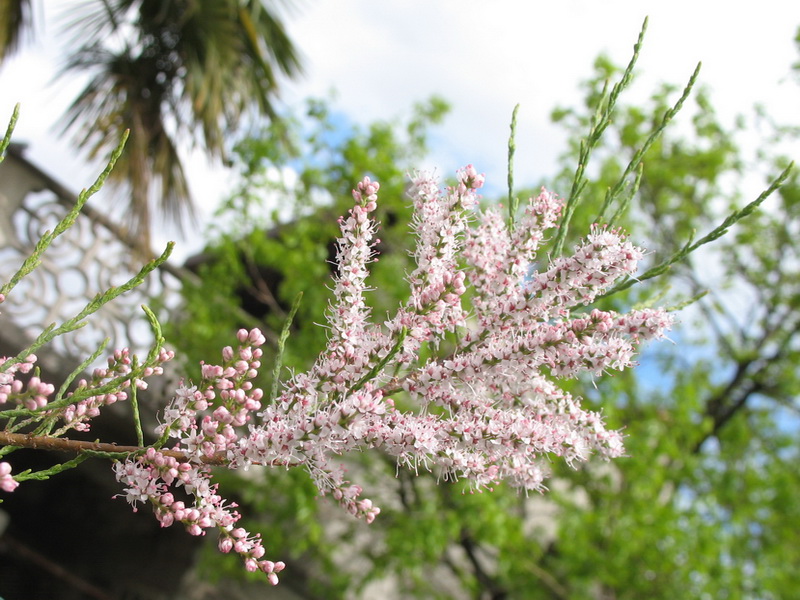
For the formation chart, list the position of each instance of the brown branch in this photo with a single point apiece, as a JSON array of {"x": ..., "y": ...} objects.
[
  {"x": 24, "y": 440},
  {"x": 745, "y": 384},
  {"x": 496, "y": 590},
  {"x": 9, "y": 545},
  {"x": 486, "y": 581}
]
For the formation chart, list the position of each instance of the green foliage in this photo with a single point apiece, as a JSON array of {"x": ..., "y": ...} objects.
[
  {"x": 696, "y": 511},
  {"x": 604, "y": 105},
  {"x": 275, "y": 252}
]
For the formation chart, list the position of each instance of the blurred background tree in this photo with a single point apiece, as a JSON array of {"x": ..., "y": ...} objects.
[
  {"x": 704, "y": 507},
  {"x": 174, "y": 73}
]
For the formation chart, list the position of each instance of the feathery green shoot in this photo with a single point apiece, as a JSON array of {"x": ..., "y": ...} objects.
[
  {"x": 276, "y": 372},
  {"x": 600, "y": 121},
  {"x": 718, "y": 232},
  {"x": 513, "y": 201},
  {"x": 12, "y": 123},
  {"x": 636, "y": 161}
]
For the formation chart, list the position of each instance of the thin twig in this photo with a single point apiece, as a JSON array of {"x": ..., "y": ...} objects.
[
  {"x": 106, "y": 450},
  {"x": 21, "y": 551}
]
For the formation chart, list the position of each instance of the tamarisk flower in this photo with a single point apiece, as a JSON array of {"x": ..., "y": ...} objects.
[
  {"x": 31, "y": 395},
  {"x": 7, "y": 482},
  {"x": 205, "y": 422},
  {"x": 34, "y": 394},
  {"x": 503, "y": 411},
  {"x": 488, "y": 407}
]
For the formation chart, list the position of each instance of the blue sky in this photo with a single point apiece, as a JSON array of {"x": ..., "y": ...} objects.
[{"x": 482, "y": 57}]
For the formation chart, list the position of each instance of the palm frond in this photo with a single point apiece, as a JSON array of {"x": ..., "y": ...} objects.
[
  {"x": 15, "y": 20},
  {"x": 172, "y": 72}
]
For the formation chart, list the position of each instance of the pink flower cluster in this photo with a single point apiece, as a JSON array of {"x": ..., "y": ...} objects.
[
  {"x": 35, "y": 394},
  {"x": 478, "y": 349},
  {"x": 205, "y": 423},
  {"x": 488, "y": 408},
  {"x": 150, "y": 477}
]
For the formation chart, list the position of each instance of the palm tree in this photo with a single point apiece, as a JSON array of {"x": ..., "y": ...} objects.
[{"x": 170, "y": 71}]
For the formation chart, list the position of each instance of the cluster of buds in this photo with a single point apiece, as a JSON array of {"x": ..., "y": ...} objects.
[
  {"x": 21, "y": 385},
  {"x": 78, "y": 414},
  {"x": 30, "y": 395},
  {"x": 7, "y": 481},
  {"x": 203, "y": 424},
  {"x": 151, "y": 476}
]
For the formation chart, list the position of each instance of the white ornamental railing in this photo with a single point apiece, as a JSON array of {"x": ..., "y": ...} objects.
[{"x": 87, "y": 259}]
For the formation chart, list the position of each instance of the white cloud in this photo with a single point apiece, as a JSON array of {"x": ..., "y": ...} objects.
[{"x": 486, "y": 57}]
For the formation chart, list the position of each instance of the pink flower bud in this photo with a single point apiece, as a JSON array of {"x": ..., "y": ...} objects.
[
  {"x": 7, "y": 482},
  {"x": 251, "y": 565},
  {"x": 257, "y": 338}
]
